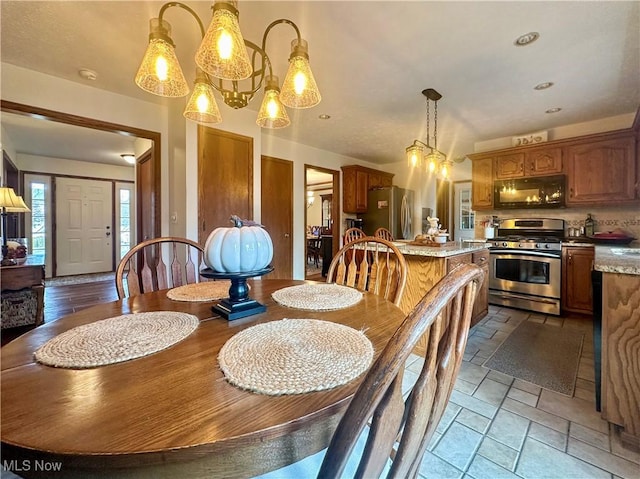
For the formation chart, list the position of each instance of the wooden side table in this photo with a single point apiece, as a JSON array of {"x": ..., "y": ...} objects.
[{"x": 27, "y": 275}]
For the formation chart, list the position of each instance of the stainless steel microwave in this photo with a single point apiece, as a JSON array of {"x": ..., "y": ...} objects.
[{"x": 535, "y": 192}]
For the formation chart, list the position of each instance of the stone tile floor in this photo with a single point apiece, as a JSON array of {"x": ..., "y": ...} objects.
[{"x": 497, "y": 426}]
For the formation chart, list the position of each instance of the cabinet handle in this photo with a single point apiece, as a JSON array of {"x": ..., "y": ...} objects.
[
  {"x": 570, "y": 192},
  {"x": 570, "y": 259}
]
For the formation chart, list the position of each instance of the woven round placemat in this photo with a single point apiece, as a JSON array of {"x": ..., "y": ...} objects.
[
  {"x": 205, "y": 291},
  {"x": 317, "y": 297},
  {"x": 116, "y": 339},
  {"x": 295, "y": 356}
]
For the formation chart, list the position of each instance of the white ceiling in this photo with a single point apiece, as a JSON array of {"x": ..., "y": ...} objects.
[{"x": 371, "y": 61}]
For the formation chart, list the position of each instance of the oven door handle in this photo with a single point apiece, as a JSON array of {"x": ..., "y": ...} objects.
[
  {"x": 523, "y": 252},
  {"x": 520, "y": 296}
]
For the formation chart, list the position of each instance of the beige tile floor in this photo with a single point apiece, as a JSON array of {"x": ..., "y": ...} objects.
[{"x": 496, "y": 426}]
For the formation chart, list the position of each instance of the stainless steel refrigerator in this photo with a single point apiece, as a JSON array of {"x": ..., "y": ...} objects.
[{"x": 392, "y": 208}]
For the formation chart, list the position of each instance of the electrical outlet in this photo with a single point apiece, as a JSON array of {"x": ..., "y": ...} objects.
[{"x": 174, "y": 217}]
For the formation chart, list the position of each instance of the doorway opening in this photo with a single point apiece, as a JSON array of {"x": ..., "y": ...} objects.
[{"x": 321, "y": 219}]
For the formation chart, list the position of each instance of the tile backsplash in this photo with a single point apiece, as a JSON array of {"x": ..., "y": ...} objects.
[{"x": 606, "y": 219}]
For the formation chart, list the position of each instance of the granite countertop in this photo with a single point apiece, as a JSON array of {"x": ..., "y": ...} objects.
[
  {"x": 618, "y": 259},
  {"x": 440, "y": 251}
]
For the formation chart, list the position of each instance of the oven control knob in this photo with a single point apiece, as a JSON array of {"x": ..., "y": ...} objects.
[
  {"x": 505, "y": 244},
  {"x": 538, "y": 245}
]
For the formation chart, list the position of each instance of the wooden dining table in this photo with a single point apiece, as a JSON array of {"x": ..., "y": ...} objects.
[{"x": 171, "y": 413}]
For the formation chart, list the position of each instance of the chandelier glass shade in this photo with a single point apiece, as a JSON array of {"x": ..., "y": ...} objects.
[
  {"x": 222, "y": 63},
  {"x": 272, "y": 112},
  {"x": 434, "y": 160},
  {"x": 160, "y": 72},
  {"x": 202, "y": 106}
]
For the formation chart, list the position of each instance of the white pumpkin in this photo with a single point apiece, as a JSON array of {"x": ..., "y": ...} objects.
[{"x": 238, "y": 249}]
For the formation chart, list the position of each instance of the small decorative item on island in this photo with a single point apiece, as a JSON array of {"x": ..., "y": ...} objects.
[
  {"x": 242, "y": 251},
  {"x": 434, "y": 234}
]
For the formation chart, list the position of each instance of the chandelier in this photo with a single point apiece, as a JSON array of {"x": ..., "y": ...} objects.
[
  {"x": 434, "y": 158},
  {"x": 222, "y": 62}
]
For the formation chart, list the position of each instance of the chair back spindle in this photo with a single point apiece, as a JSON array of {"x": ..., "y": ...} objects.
[
  {"x": 370, "y": 264},
  {"x": 143, "y": 268}
]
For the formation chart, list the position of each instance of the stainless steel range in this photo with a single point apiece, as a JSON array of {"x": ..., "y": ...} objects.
[{"x": 525, "y": 264}]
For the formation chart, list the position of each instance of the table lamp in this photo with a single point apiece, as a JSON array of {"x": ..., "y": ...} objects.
[{"x": 10, "y": 203}]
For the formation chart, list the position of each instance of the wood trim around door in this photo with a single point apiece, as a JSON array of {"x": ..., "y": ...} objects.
[
  {"x": 69, "y": 119},
  {"x": 335, "y": 205}
]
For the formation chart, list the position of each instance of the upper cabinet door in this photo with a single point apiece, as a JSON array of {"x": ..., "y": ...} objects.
[
  {"x": 482, "y": 183},
  {"x": 602, "y": 171},
  {"x": 543, "y": 161},
  {"x": 510, "y": 166}
]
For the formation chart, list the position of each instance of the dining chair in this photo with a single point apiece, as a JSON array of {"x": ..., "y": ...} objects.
[
  {"x": 385, "y": 432},
  {"x": 370, "y": 264},
  {"x": 383, "y": 233},
  {"x": 351, "y": 234},
  {"x": 314, "y": 245},
  {"x": 143, "y": 268},
  {"x": 443, "y": 316}
]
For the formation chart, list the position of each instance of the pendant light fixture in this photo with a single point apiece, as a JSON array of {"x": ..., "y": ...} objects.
[
  {"x": 223, "y": 57},
  {"x": 434, "y": 159}
]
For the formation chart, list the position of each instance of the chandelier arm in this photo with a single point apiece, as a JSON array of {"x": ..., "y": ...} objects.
[
  {"x": 278, "y": 22},
  {"x": 168, "y": 5}
]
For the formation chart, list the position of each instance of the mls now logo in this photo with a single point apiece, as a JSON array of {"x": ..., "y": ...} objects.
[{"x": 26, "y": 465}]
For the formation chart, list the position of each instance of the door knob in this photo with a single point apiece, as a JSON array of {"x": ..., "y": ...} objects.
[
  {"x": 108, "y": 233},
  {"x": 286, "y": 235}
]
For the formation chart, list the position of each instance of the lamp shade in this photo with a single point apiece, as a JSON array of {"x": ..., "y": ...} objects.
[
  {"x": 11, "y": 202},
  {"x": 299, "y": 89},
  {"x": 433, "y": 160},
  {"x": 202, "y": 106},
  {"x": 160, "y": 72},
  {"x": 414, "y": 155},
  {"x": 222, "y": 52},
  {"x": 272, "y": 112}
]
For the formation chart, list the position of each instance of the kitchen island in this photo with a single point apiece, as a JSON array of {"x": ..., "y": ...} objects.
[
  {"x": 619, "y": 319},
  {"x": 427, "y": 265}
]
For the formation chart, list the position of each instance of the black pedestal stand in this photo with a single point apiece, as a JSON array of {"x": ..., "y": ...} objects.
[{"x": 238, "y": 304}]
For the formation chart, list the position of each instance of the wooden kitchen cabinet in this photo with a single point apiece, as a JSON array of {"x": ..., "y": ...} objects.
[
  {"x": 602, "y": 171},
  {"x": 531, "y": 162},
  {"x": 577, "y": 293},
  {"x": 482, "y": 183},
  {"x": 481, "y": 306},
  {"x": 356, "y": 182}
]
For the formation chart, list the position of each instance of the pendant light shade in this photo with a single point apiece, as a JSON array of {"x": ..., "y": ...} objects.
[
  {"x": 414, "y": 155},
  {"x": 272, "y": 112},
  {"x": 299, "y": 89},
  {"x": 222, "y": 52},
  {"x": 202, "y": 106},
  {"x": 160, "y": 72}
]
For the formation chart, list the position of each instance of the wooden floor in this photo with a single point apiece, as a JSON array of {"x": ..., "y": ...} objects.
[{"x": 62, "y": 300}]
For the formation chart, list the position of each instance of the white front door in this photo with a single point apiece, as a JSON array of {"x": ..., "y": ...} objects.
[
  {"x": 463, "y": 215},
  {"x": 84, "y": 237}
]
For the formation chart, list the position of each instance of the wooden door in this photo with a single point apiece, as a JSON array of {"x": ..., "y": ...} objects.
[
  {"x": 225, "y": 179},
  {"x": 277, "y": 212},
  {"x": 147, "y": 196},
  {"x": 84, "y": 226}
]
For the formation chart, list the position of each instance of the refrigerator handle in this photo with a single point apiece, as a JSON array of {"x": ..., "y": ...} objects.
[{"x": 405, "y": 218}]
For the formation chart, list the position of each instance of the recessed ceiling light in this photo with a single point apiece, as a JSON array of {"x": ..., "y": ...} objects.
[
  {"x": 87, "y": 74},
  {"x": 129, "y": 158},
  {"x": 324, "y": 116},
  {"x": 543, "y": 86},
  {"x": 526, "y": 39},
  {"x": 553, "y": 110}
]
